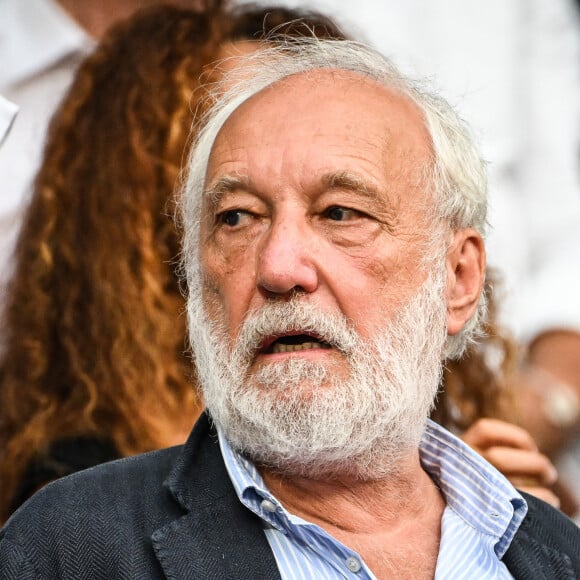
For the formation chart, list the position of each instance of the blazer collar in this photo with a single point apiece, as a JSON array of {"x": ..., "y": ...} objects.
[{"x": 217, "y": 537}]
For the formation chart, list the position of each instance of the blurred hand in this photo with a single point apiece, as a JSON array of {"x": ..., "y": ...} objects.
[
  {"x": 548, "y": 391},
  {"x": 511, "y": 450}
]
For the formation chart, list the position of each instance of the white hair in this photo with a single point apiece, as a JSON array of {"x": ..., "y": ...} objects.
[{"x": 456, "y": 176}]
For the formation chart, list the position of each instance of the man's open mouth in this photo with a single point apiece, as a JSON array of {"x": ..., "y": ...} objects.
[{"x": 293, "y": 342}]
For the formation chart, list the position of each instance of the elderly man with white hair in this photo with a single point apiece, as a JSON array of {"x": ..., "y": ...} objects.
[{"x": 334, "y": 216}]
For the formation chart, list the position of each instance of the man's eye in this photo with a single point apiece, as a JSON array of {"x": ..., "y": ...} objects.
[
  {"x": 232, "y": 217},
  {"x": 340, "y": 214}
]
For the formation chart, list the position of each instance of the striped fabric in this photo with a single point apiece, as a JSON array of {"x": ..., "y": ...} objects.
[{"x": 483, "y": 513}]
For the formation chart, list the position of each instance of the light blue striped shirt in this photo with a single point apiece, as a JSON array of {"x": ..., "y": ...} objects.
[{"x": 482, "y": 515}]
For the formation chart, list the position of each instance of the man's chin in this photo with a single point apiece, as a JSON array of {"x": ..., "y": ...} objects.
[
  {"x": 297, "y": 375},
  {"x": 303, "y": 391}
]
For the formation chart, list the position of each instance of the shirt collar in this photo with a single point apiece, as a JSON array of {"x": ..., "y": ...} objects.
[
  {"x": 471, "y": 486},
  {"x": 36, "y": 34}
]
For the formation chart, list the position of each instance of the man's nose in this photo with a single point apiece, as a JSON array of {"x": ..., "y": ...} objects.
[{"x": 287, "y": 262}]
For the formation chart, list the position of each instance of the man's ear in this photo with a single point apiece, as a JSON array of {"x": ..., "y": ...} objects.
[{"x": 465, "y": 277}]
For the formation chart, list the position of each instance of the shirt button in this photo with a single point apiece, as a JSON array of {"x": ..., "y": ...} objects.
[
  {"x": 353, "y": 564},
  {"x": 268, "y": 506}
]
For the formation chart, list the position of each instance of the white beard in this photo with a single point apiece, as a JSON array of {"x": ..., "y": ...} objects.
[{"x": 302, "y": 417}]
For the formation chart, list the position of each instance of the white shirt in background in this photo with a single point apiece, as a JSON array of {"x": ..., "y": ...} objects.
[{"x": 40, "y": 49}]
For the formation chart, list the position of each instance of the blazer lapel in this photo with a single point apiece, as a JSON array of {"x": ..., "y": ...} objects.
[{"x": 217, "y": 537}]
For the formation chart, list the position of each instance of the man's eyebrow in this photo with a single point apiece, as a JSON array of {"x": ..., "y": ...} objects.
[
  {"x": 350, "y": 182},
  {"x": 333, "y": 180},
  {"x": 225, "y": 184}
]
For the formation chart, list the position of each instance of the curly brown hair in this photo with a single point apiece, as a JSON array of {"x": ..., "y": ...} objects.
[{"x": 94, "y": 324}]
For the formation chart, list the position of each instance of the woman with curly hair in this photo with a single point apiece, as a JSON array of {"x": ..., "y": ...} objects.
[{"x": 95, "y": 364}]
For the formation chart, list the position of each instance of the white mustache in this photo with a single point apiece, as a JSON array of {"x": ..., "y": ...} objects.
[{"x": 278, "y": 318}]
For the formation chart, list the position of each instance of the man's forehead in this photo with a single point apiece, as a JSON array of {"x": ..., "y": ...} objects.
[
  {"x": 353, "y": 135},
  {"x": 310, "y": 86},
  {"x": 317, "y": 99}
]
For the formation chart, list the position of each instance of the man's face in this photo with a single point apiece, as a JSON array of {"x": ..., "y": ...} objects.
[
  {"x": 318, "y": 189},
  {"x": 313, "y": 240}
]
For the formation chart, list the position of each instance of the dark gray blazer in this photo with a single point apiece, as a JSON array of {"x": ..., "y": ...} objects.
[{"x": 174, "y": 514}]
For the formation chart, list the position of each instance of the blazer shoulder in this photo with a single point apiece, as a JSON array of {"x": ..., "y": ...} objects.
[
  {"x": 97, "y": 497},
  {"x": 547, "y": 544},
  {"x": 107, "y": 513}
]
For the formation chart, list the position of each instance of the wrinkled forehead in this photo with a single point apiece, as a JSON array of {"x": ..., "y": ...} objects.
[
  {"x": 349, "y": 95},
  {"x": 325, "y": 121}
]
